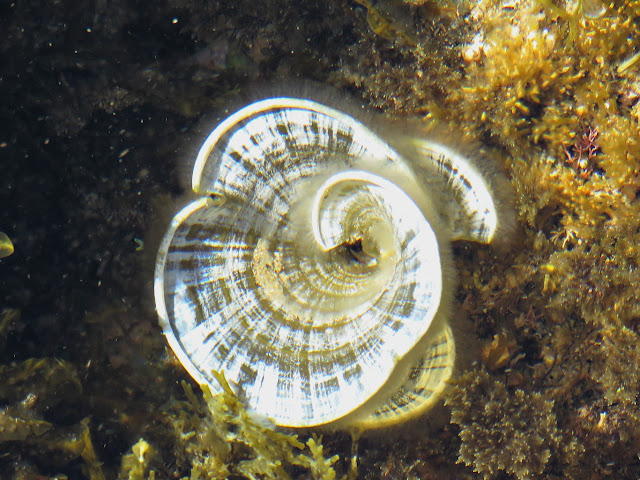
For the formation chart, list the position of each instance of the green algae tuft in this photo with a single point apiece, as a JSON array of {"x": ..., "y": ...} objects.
[{"x": 217, "y": 438}]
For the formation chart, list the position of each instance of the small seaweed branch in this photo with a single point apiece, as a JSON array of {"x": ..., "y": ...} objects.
[
  {"x": 218, "y": 439},
  {"x": 267, "y": 453},
  {"x": 580, "y": 155}
]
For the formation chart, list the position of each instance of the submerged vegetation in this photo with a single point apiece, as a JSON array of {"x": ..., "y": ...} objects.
[
  {"x": 28, "y": 391},
  {"x": 553, "y": 88},
  {"x": 218, "y": 438},
  {"x": 550, "y": 87},
  {"x": 517, "y": 428}
]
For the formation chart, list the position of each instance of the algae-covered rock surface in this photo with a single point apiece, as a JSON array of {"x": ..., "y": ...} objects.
[{"x": 103, "y": 106}]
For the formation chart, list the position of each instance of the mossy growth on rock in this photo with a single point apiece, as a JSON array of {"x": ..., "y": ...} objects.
[
  {"x": 502, "y": 430},
  {"x": 620, "y": 382}
]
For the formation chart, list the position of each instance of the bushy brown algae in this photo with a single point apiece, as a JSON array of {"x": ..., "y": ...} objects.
[
  {"x": 518, "y": 429},
  {"x": 553, "y": 86}
]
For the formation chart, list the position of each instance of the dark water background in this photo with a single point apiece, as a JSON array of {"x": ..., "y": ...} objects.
[{"x": 101, "y": 105}]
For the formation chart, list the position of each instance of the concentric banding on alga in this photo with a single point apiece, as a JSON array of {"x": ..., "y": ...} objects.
[{"x": 476, "y": 218}]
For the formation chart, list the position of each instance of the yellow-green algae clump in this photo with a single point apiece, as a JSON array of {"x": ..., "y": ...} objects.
[
  {"x": 553, "y": 87},
  {"x": 217, "y": 439}
]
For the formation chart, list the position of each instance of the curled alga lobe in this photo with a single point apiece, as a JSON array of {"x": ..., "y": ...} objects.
[{"x": 512, "y": 431}]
